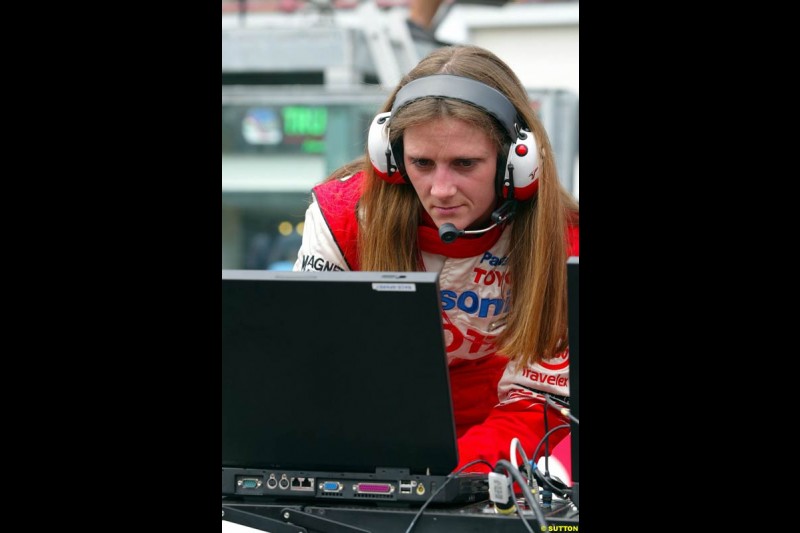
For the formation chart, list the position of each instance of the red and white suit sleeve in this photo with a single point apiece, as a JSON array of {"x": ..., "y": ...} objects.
[{"x": 318, "y": 250}]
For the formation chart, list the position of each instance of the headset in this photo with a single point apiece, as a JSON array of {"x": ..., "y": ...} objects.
[{"x": 517, "y": 175}]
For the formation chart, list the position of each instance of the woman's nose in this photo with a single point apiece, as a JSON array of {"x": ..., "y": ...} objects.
[{"x": 443, "y": 183}]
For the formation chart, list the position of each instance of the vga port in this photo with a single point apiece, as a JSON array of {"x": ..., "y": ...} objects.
[{"x": 331, "y": 486}]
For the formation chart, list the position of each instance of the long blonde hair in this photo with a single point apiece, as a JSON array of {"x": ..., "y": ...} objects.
[{"x": 389, "y": 214}]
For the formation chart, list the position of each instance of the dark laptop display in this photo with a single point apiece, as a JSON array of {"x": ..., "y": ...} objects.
[
  {"x": 573, "y": 266},
  {"x": 335, "y": 386}
]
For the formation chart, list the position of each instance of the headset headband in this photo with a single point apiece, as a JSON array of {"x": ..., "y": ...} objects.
[{"x": 467, "y": 90}]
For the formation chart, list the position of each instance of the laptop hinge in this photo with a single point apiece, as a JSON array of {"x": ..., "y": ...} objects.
[{"x": 393, "y": 472}]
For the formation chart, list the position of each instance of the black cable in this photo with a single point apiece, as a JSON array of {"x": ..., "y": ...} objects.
[
  {"x": 536, "y": 452},
  {"x": 527, "y": 462},
  {"x": 533, "y": 501},
  {"x": 561, "y": 409},
  {"x": 561, "y": 400},
  {"x": 450, "y": 477},
  {"x": 546, "y": 441},
  {"x": 563, "y": 491},
  {"x": 543, "y": 439}
]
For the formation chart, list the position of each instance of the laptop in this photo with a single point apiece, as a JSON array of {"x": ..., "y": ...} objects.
[
  {"x": 573, "y": 267},
  {"x": 335, "y": 387}
]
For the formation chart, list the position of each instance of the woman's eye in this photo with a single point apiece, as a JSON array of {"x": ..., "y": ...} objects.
[
  {"x": 465, "y": 163},
  {"x": 421, "y": 163}
]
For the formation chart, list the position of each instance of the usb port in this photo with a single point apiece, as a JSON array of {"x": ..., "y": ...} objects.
[{"x": 407, "y": 487}]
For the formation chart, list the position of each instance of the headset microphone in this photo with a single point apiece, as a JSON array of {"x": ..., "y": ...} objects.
[{"x": 448, "y": 232}]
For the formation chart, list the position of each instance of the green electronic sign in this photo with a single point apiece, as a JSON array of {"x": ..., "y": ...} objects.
[{"x": 304, "y": 121}]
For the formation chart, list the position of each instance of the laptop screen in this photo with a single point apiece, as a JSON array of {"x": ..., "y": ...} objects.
[
  {"x": 335, "y": 371},
  {"x": 573, "y": 264}
]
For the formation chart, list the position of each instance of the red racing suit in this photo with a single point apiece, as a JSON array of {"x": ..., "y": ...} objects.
[{"x": 492, "y": 403}]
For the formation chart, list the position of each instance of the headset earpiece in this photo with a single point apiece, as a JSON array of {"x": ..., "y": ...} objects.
[
  {"x": 521, "y": 169},
  {"x": 380, "y": 151},
  {"x": 517, "y": 177}
]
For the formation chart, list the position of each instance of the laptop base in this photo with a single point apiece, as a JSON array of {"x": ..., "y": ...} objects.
[
  {"x": 385, "y": 485},
  {"x": 477, "y": 517}
]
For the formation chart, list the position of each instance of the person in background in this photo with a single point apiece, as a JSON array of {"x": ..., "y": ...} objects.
[
  {"x": 425, "y": 15},
  {"x": 459, "y": 178},
  {"x": 420, "y": 18}
]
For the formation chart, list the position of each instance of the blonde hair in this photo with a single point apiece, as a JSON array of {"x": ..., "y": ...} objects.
[{"x": 390, "y": 214}]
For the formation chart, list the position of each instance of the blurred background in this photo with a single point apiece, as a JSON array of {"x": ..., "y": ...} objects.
[{"x": 302, "y": 79}]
